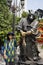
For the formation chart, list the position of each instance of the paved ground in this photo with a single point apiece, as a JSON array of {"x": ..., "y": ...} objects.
[
  {"x": 41, "y": 50},
  {"x": 2, "y": 62}
]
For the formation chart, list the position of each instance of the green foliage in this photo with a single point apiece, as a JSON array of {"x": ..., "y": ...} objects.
[
  {"x": 17, "y": 20},
  {"x": 16, "y": 32},
  {"x": 42, "y": 47},
  {"x": 24, "y": 14},
  {"x": 41, "y": 20},
  {"x": 3, "y": 1},
  {"x": 5, "y": 18},
  {"x": 17, "y": 36}
]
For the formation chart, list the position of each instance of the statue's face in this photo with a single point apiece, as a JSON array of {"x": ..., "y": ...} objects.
[{"x": 31, "y": 17}]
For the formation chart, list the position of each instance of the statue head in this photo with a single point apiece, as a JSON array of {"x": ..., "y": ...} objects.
[{"x": 30, "y": 18}]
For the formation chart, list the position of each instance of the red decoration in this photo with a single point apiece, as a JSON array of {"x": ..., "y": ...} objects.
[{"x": 40, "y": 40}]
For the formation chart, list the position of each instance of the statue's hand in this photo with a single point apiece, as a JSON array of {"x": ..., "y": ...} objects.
[
  {"x": 28, "y": 32},
  {"x": 23, "y": 33}
]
